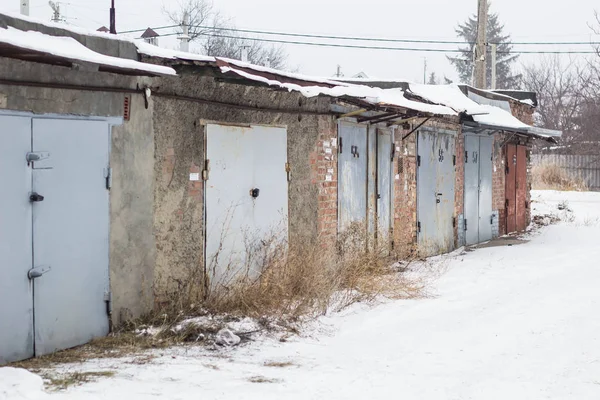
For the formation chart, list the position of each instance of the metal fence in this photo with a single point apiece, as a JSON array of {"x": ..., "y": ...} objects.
[{"x": 585, "y": 167}]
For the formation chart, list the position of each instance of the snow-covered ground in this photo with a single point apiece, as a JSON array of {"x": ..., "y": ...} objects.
[{"x": 518, "y": 322}]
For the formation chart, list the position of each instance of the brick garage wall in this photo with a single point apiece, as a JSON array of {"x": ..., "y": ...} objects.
[
  {"x": 499, "y": 182},
  {"x": 521, "y": 111},
  {"x": 459, "y": 203},
  {"x": 324, "y": 176},
  {"x": 405, "y": 193},
  {"x": 179, "y": 151}
]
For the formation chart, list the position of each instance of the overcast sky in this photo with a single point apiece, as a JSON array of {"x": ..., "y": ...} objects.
[{"x": 525, "y": 20}]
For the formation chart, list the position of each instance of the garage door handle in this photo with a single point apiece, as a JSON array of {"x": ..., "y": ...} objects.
[
  {"x": 38, "y": 272},
  {"x": 34, "y": 197}
]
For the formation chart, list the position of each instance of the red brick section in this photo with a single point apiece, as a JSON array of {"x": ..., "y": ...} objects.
[
  {"x": 405, "y": 193},
  {"x": 324, "y": 175},
  {"x": 521, "y": 111},
  {"x": 195, "y": 188},
  {"x": 498, "y": 182},
  {"x": 459, "y": 187}
]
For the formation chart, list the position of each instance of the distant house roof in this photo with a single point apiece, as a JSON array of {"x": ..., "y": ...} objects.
[{"x": 149, "y": 33}]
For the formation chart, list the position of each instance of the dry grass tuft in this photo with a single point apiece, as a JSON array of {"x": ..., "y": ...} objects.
[
  {"x": 309, "y": 280},
  {"x": 553, "y": 177},
  {"x": 279, "y": 364},
  {"x": 262, "y": 379},
  {"x": 64, "y": 381}
]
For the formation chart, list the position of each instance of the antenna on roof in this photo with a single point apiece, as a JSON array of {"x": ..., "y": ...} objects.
[
  {"x": 25, "y": 7},
  {"x": 56, "y": 11},
  {"x": 113, "y": 23}
]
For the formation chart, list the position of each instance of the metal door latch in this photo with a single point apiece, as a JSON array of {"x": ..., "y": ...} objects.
[
  {"x": 37, "y": 156},
  {"x": 254, "y": 193},
  {"x": 437, "y": 198},
  {"x": 34, "y": 197},
  {"x": 37, "y": 272}
]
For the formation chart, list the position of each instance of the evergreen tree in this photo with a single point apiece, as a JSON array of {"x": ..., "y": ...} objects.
[
  {"x": 464, "y": 63},
  {"x": 433, "y": 80}
]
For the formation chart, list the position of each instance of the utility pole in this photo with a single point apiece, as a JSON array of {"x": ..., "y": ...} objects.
[
  {"x": 339, "y": 72},
  {"x": 494, "y": 66},
  {"x": 25, "y": 7},
  {"x": 113, "y": 17},
  {"x": 480, "y": 51},
  {"x": 424, "y": 70},
  {"x": 184, "y": 38},
  {"x": 244, "y": 51}
]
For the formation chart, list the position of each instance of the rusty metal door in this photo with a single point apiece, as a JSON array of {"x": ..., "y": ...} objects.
[
  {"x": 352, "y": 174},
  {"x": 511, "y": 194},
  {"x": 246, "y": 199},
  {"x": 521, "y": 189},
  {"x": 436, "y": 190},
  {"x": 384, "y": 183}
]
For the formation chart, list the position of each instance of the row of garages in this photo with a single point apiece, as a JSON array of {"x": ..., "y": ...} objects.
[{"x": 122, "y": 179}]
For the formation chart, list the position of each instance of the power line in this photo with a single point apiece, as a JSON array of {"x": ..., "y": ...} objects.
[
  {"x": 357, "y": 38},
  {"x": 351, "y": 46}
]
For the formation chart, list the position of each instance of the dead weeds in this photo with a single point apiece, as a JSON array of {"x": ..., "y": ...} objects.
[
  {"x": 56, "y": 382},
  {"x": 263, "y": 379}
]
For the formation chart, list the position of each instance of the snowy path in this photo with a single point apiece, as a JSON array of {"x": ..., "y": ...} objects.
[{"x": 520, "y": 322}]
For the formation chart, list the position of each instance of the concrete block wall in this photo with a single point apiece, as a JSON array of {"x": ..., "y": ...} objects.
[{"x": 179, "y": 142}]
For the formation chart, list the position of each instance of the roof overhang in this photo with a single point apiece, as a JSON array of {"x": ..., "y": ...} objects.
[{"x": 532, "y": 131}]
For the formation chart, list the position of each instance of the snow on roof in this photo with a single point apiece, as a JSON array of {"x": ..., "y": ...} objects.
[
  {"x": 160, "y": 52},
  {"x": 71, "y": 49},
  {"x": 375, "y": 96},
  {"x": 70, "y": 28}
]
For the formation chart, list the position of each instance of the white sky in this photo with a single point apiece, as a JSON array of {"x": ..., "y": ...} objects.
[{"x": 525, "y": 20}]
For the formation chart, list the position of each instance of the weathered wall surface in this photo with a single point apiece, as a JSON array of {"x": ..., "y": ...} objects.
[
  {"x": 132, "y": 158},
  {"x": 522, "y": 111},
  {"x": 499, "y": 182},
  {"x": 179, "y": 149},
  {"x": 405, "y": 193}
]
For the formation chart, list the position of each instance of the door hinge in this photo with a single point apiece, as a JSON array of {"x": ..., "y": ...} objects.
[
  {"x": 453, "y": 160},
  {"x": 108, "y": 301},
  {"x": 418, "y": 161},
  {"x": 288, "y": 170},
  {"x": 206, "y": 170},
  {"x": 419, "y": 226},
  {"x": 341, "y": 145},
  {"x": 454, "y": 222},
  {"x": 466, "y": 224},
  {"x": 466, "y": 157},
  {"x": 393, "y": 153},
  {"x": 492, "y": 220},
  {"x": 108, "y": 178}
]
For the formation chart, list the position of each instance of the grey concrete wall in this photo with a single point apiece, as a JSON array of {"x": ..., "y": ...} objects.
[
  {"x": 180, "y": 150},
  {"x": 98, "y": 42},
  {"x": 132, "y": 159}
]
